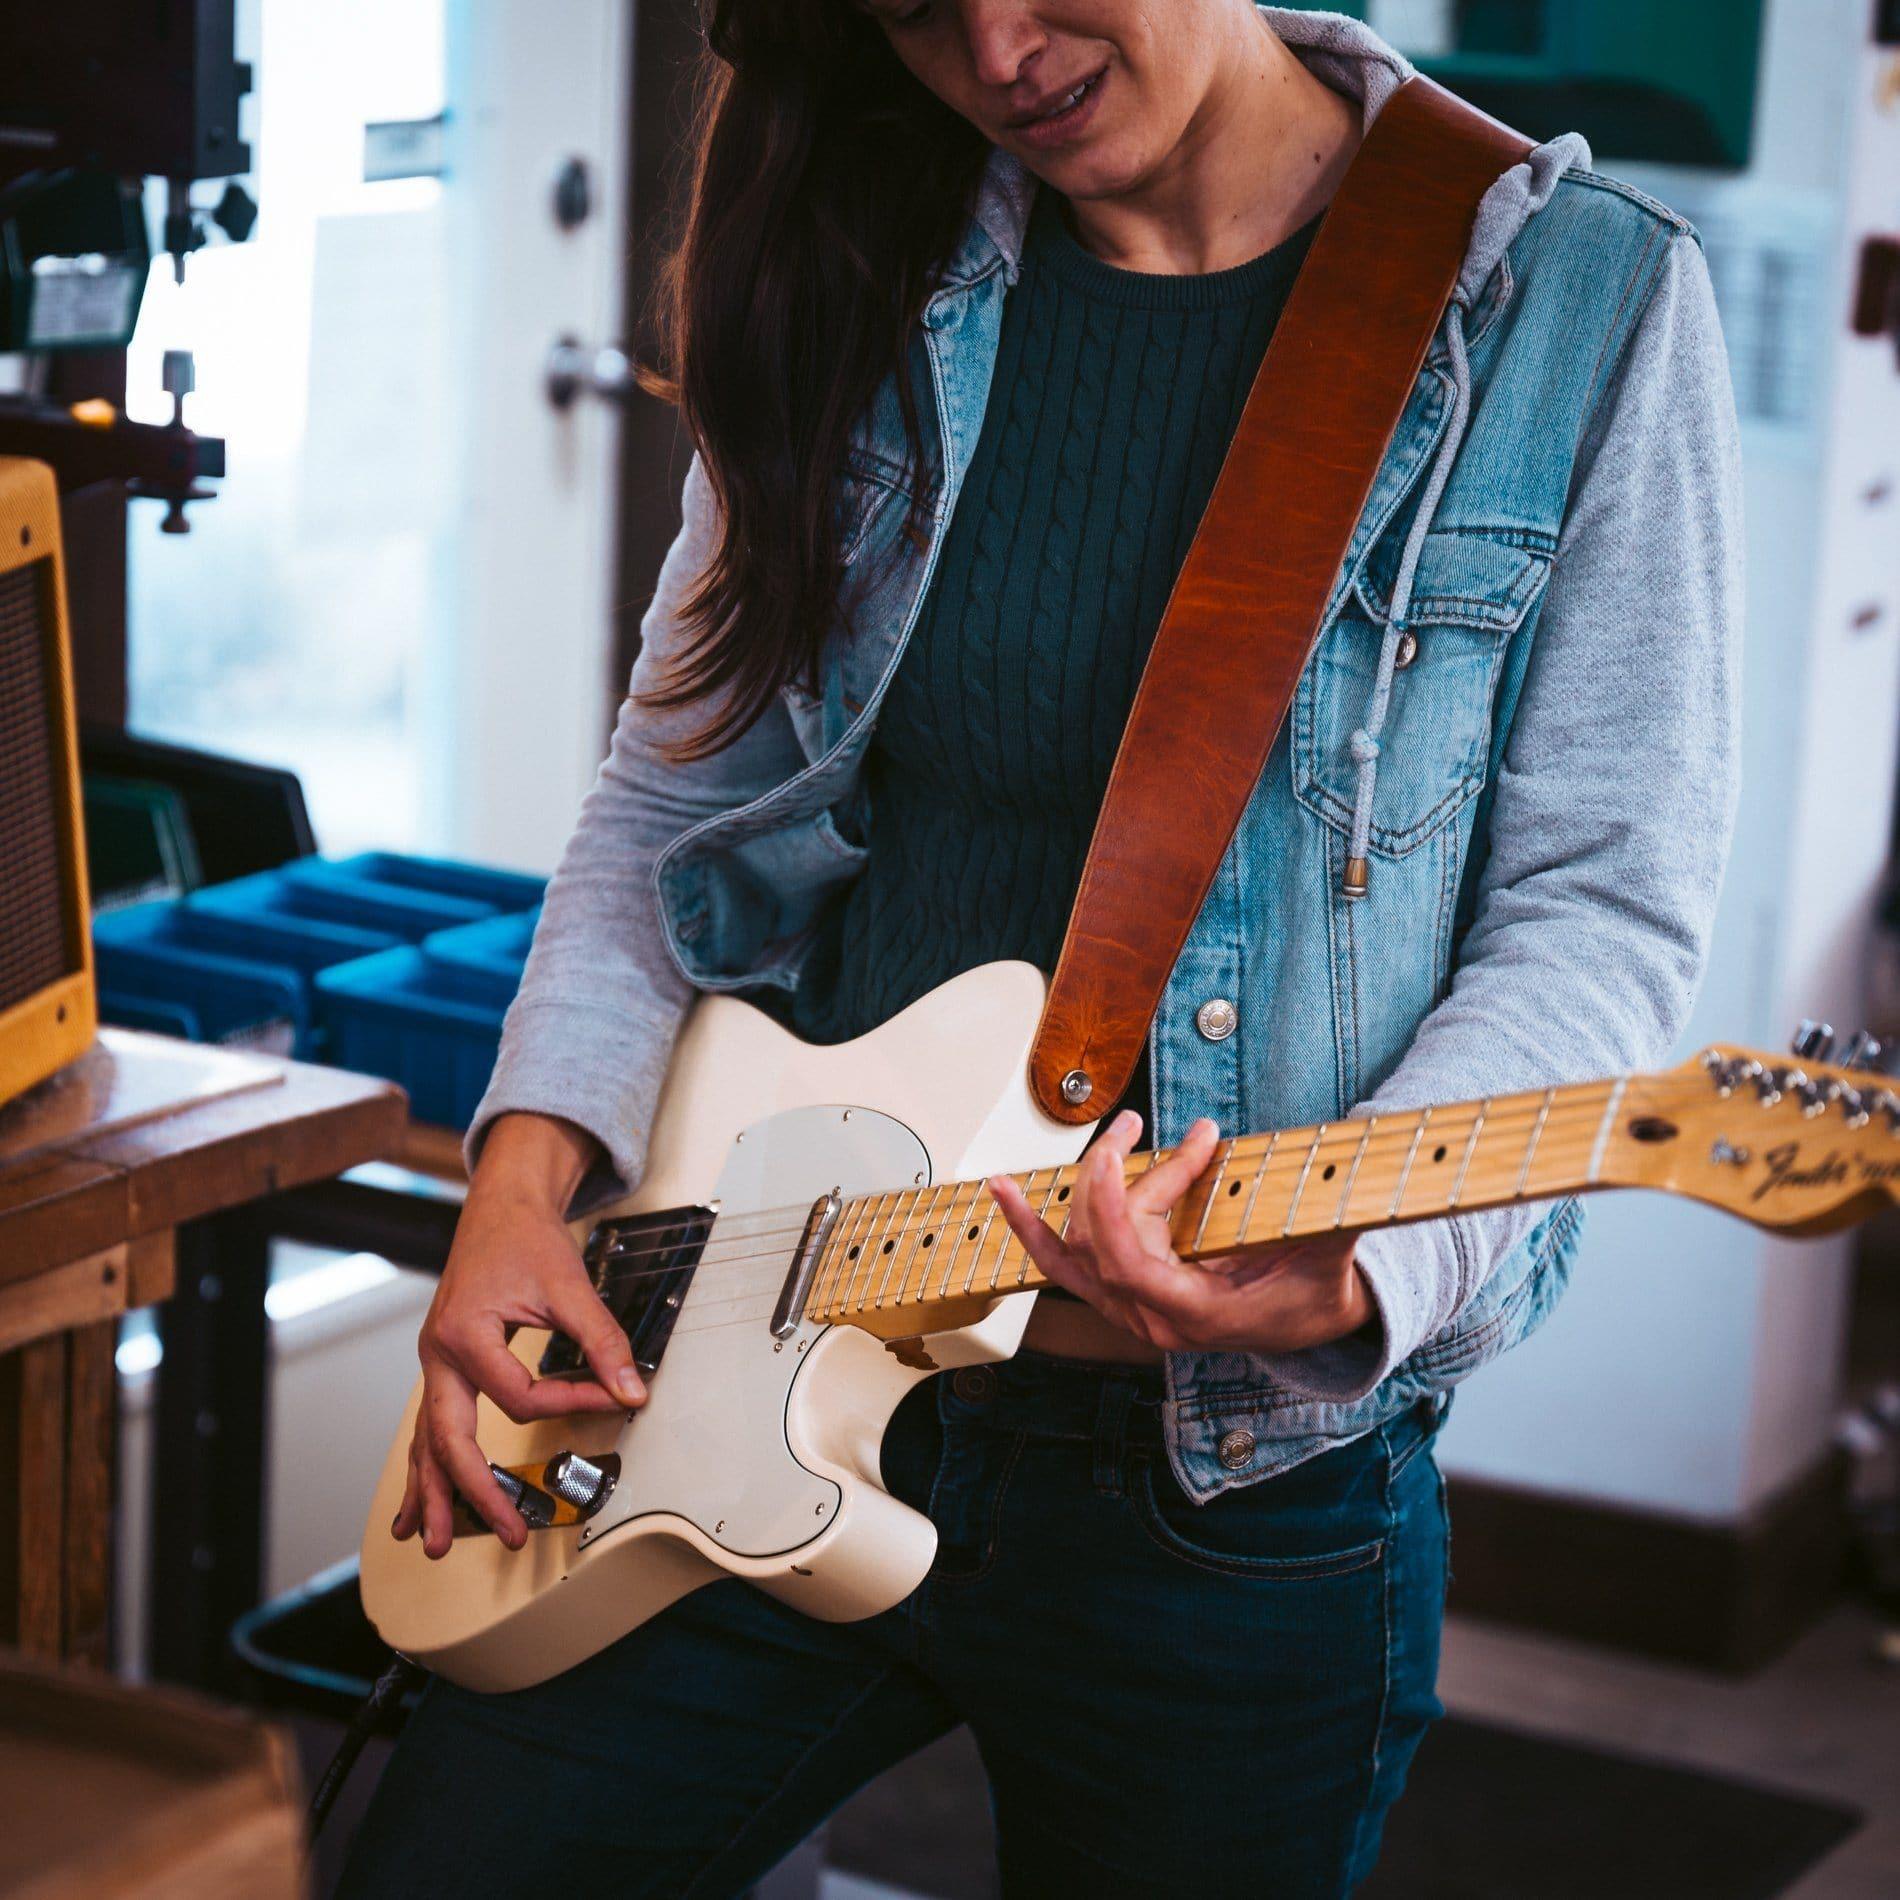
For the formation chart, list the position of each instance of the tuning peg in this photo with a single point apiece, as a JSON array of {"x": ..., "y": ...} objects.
[
  {"x": 1861, "y": 1051},
  {"x": 1812, "y": 1040}
]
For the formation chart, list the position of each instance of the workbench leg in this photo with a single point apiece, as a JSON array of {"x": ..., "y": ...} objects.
[
  {"x": 208, "y": 1467},
  {"x": 32, "y": 1494},
  {"x": 92, "y": 1431}
]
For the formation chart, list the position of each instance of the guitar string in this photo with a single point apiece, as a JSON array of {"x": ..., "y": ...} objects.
[
  {"x": 702, "y": 1320},
  {"x": 1576, "y": 1120},
  {"x": 1293, "y": 1154},
  {"x": 1549, "y": 1151}
]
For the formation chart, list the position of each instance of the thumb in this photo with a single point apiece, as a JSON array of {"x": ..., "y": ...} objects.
[{"x": 582, "y": 1315}]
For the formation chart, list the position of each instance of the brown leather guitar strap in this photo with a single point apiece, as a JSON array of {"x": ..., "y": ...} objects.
[{"x": 1247, "y": 604}]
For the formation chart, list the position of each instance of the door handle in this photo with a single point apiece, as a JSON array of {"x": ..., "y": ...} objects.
[{"x": 574, "y": 369}]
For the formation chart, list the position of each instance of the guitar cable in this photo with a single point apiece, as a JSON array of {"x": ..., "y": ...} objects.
[{"x": 390, "y": 1687}]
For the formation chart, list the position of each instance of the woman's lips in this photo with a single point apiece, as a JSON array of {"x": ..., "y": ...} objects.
[{"x": 1063, "y": 127}]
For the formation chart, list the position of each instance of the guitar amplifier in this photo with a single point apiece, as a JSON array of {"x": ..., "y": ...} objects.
[{"x": 48, "y": 1013}]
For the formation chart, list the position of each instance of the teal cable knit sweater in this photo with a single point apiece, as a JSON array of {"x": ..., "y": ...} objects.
[{"x": 1116, "y": 393}]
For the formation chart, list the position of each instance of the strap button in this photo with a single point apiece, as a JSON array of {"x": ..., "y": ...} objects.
[
  {"x": 1217, "y": 1019},
  {"x": 1236, "y": 1449}
]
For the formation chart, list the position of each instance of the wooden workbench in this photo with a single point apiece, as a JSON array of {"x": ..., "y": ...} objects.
[{"x": 125, "y": 1173}]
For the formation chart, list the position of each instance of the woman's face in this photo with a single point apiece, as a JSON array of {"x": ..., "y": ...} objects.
[{"x": 1092, "y": 95}]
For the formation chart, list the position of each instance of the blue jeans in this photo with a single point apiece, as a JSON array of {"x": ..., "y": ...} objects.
[{"x": 1170, "y": 1699}]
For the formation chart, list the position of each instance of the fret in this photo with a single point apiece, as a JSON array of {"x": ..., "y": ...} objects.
[
  {"x": 890, "y": 1237},
  {"x": 950, "y": 1239},
  {"x": 976, "y": 1253},
  {"x": 1042, "y": 1213},
  {"x": 1471, "y": 1148},
  {"x": 1352, "y": 1173},
  {"x": 1603, "y": 1128},
  {"x": 924, "y": 1214},
  {"x": 1026, "y": 1183},
  {"x": 939, "y": 1228},
  {"x": 1299, "y": 1186},
  {"x": 1405, "y": 1173},
  {"x": 1259, "y": 1180},
  {"x": 1213, "y": 1190},
  {"x": 1537, "y": 1130},
  {"x": 866, "y": 1262},
  {"x": 957, "y": 1220},
  {"x": 889, "y": 1255},
  {"x": 841, "y": 1245},
  {"x": 885, "y": 1242},
  {"x": 1004, "y": 1239}
]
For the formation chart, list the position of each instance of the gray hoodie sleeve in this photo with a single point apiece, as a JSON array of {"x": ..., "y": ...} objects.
[
  {"x": 1613, "y": 811},
  {"x": 601, "y": 1001}
]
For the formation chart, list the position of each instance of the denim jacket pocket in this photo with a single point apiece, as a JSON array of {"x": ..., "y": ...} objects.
[{"x": 1471, "y": 591}]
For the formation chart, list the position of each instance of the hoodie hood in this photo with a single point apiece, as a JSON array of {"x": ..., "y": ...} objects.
[{"x": 1355, "y": 62}]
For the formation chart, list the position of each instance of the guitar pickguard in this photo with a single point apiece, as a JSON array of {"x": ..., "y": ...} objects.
[{"x": 710, "y": 1445}]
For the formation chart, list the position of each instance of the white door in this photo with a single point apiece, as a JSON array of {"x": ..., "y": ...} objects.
[{"x": 402, "y": 588}]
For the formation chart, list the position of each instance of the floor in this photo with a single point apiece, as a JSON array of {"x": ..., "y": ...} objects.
[{"x": 1823, "y": 1721}]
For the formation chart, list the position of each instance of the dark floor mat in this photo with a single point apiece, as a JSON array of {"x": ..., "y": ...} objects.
[{"x": 1488, "y": 1814}]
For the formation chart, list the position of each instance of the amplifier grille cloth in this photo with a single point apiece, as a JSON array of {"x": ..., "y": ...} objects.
[{"x": 32, "y": 901}]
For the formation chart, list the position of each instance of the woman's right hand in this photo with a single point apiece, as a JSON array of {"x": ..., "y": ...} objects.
[{"x": 513, "y": 1263}]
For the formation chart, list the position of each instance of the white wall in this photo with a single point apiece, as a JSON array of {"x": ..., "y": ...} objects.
[{"x": 1693, "y": 1365}]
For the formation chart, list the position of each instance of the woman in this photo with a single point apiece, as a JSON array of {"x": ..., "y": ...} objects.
[{"x": 970, "y": 297}]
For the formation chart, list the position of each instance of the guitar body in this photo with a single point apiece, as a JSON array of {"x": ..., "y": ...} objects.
[
  {"x": 813, "y": 1236},
  {"x": 755, "y": 1456}
]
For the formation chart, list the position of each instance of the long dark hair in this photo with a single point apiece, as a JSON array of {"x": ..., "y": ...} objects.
[{"x": 827, "y": 188}]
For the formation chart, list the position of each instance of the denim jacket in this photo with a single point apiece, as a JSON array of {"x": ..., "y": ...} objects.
[{"x": 1521, "y": 710}]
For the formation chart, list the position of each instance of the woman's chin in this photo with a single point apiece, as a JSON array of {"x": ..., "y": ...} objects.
[{"x": 1089, "y": 172}]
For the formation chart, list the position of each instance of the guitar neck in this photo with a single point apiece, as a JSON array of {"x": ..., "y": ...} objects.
[{"x": 920, "y": 1248}]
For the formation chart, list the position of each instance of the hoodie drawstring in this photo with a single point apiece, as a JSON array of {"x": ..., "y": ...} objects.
[{"x": 1365, "y": 740}]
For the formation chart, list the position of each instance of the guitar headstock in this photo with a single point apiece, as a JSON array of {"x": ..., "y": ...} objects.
[{"x": 1802, "y": 1143}]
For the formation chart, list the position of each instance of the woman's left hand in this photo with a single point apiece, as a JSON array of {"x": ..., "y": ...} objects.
[{"x": 1117, "y": 1254}]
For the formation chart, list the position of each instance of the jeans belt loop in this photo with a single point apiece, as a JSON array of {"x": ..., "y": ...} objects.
[{"x": 1111, "y": 1433}]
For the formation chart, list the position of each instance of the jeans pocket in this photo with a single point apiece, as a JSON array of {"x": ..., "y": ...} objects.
[{"x": 1240, "y": 1533}]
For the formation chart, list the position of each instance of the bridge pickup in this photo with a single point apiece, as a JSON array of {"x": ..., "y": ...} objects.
[{"x": 641, "y": 1267}]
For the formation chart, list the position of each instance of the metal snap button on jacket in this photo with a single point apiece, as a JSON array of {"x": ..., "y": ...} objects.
[
  {"x": 1406, "y": 651},
  {"x": 974, "y": 1385},
  {"x": 1216, "y": 1019},
  {"x": 1236, "y": 1449}
]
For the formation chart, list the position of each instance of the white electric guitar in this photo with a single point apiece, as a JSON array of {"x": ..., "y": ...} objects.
[{"x": 812, "y": 1238}]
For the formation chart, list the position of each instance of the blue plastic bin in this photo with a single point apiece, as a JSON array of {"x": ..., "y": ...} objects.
[
  {"x": 480, "y": 884},
  {"x": 148, "y": 954},
  {"x": 431, "y": 1027},
  {"x": 303, "y": 944},
  {"x": 495, "y": 948},
  {"x": 293, "y": 897}
]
